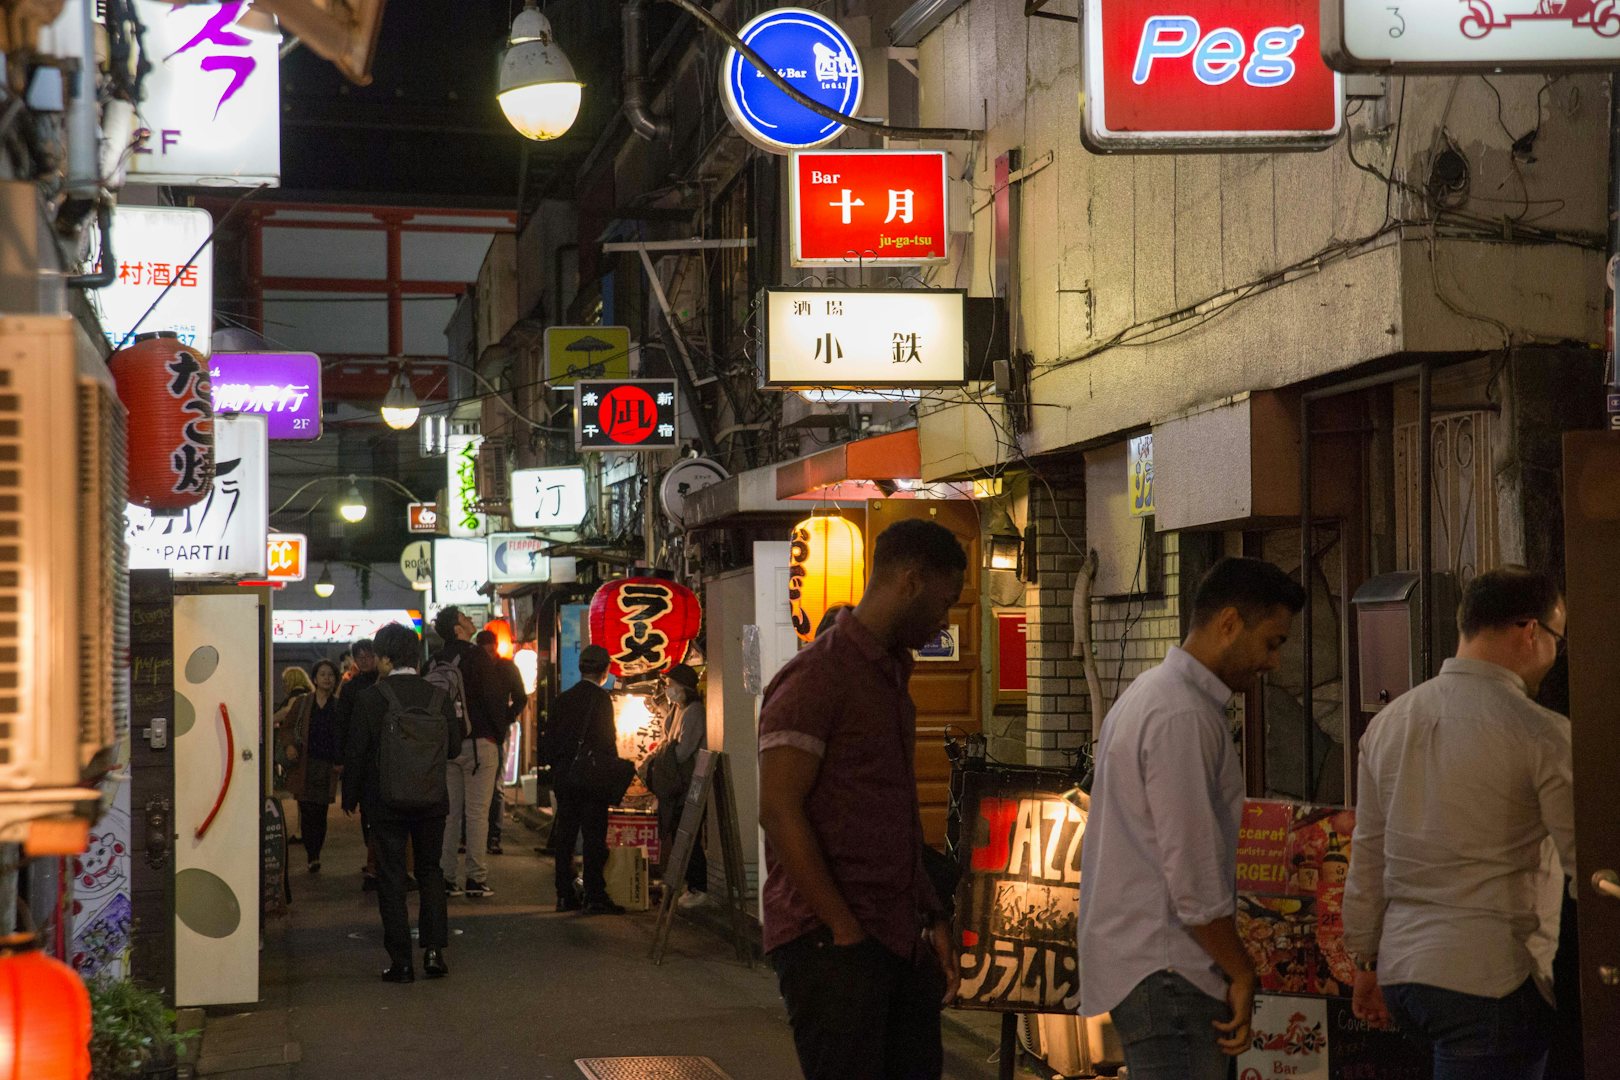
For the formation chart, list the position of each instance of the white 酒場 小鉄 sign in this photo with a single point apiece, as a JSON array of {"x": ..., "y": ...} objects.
[{"x": 865, "y": 337}]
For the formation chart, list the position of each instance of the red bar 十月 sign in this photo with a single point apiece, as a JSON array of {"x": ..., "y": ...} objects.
[
  {"x": 1231, "y": 74},
  {"x": 870, "y": 207}
]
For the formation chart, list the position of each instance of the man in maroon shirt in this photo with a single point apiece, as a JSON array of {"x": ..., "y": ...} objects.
[{"x": 852, "y": 925}]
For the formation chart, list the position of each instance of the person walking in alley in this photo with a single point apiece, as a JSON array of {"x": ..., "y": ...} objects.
[
  {"x": 1158, "y": 940},
  {"x": 403, "y": 732},
  {"x": 474, "y": 769},
  {"x": 361, "y": 674},
  {"x": 1464, "y": 833},
  {"x": 309, "y": 746},
  {"x": 581, "y": 719},
  {"x": 686, "y": 731},
  {"x": 852, "y": 924},
  {"x": 512, "y": 699}
]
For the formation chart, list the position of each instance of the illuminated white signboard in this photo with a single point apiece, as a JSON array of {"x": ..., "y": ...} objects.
[
  {"x": 518, "y": 557},
  {"x": 548, "y": 498},
  {"x": 337, "y": 625},
  {"x": 225, "y": 535},
  {"x": 866, "y": 337},
  {"x": 460, "y": 568},
  {"x": 1481, "y": 36},
  {"x": 152, "y": 246},
  {"x": 461, "y": 486}
]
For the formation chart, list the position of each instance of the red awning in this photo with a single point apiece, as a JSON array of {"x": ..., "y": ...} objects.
[{"x": 848, "y": 471}]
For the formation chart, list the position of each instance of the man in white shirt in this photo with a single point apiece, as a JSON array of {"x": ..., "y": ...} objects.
[
  {"x": 1159, "y": 946},
  {"x": 1463, "y": 814}
]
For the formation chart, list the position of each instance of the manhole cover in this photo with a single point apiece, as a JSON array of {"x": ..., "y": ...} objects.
[{"x": 650, "y": 1068}]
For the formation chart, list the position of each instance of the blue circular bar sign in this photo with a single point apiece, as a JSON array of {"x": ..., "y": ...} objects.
[{"x": 813, "y": 54}]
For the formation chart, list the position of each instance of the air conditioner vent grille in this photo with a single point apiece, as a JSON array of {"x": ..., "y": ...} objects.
[
  {"x": 104, "y": 602},
  {"x": 11, "y": 705}
]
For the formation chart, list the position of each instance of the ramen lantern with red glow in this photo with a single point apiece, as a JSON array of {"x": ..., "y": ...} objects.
[
  {"x": 164, "y": 386},
  {"x": 644, "y": 623}
]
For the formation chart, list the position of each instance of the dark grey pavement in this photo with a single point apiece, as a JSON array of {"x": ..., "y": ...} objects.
[{"x": 529, "y": 990}]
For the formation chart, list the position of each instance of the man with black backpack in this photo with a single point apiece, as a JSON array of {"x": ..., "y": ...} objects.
[
  {"x": 465, "y": 672},
  {"x": 403, "y": 732}
]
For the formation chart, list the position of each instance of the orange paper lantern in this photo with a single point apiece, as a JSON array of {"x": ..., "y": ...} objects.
[
  {"x": 644, "y": 623},
  {"x": 502, "y": 630},
  {"x": 826, "y": 567},
  {"x": 164, "y": 386},
  {"x": 44, "y": 1015}
]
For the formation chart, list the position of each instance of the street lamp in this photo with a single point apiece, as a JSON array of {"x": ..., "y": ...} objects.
[
  {"x": 353, "y": 507},
  {"x": 400, "y": 407},
  {"x": 537, "y": 90},
  {"x": 323, "y": 585}
]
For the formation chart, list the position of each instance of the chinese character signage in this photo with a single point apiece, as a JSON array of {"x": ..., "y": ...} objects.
[
  {"x": 630, "y": 414},
  {"x": 284, "y": 556},
  {"x": 211, "y": 114},
  {"x": 284, "y": 388},
  {"x": 1240, "y": 74},
  {"x": 872, "y": 207},
  {"x": 422, "y": 517},
  {"x": 586, "y": 352},
  {"x": 152, "y": 247},
  {"x": 461, "y": 486},
  {"x": 644, "y": 623},
  {"x": 224, "y": 535},
  {"x": 1018, "y": 901},
  {"x": 460, "y": 568},
  {"x": 1482, "y": 36},
  {"x": 518, "y": 557},
  {"x": 863, "y": 337},
  {"x": 816, "y": 58},
  {"x": 336, "y": 625},
  {"x": 548, "y": 498},
  {"x": 1139, "y": 463}
]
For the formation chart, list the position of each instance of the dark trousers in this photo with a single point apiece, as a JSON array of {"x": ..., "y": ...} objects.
[
  {"x": 669, "y": 822},
  {"x": 497, "y": 804},
  {"x": 860, "y": 1012},
  {"x": 1477, "y": 1038},
  {"x": 312, "y": 820},
  {"x": 433, "y": 931},
  {"x": 584, "y": 818}
]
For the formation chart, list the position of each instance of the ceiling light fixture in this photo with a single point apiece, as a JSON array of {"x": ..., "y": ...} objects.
[
  {"x": 353, "y": 507},
  {"x": 323, "y": 586},
  {"x": 400, "y": 407},
  {"x": 538, "y": 91}
]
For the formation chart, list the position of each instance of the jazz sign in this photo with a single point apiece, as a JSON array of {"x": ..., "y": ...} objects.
[
  {"x": 873, "y": 207},
  {"x": 1239, "y": 74},
  {"x": 1481, "y": 35},
  {"x": 814, "y": 55},
  {"x": 864, "y": 337}
]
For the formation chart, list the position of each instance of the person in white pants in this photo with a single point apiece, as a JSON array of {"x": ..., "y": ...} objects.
[{"x": 472, "y": 772}]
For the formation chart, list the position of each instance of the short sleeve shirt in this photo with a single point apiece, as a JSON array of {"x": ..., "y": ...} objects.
[{"x": 845, "y": 700}]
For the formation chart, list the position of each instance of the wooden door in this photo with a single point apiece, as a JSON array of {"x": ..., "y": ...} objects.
[{"x": 946, "y": 691}]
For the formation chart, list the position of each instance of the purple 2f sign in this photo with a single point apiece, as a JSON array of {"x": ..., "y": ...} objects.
[{"x": 284, "y": 388}]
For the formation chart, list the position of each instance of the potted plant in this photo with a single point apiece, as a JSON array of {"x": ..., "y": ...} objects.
[{"x": 131, "y": 1033}]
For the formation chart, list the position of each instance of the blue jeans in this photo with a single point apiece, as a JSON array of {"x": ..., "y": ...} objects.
[
  {"x": 1477, "y": 1038},
  {"x": 1165, "y": 1024}
]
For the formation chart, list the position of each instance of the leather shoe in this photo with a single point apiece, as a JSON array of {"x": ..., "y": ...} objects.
[
  {"x": 603, "y": 907},
  {"x": 399, "y": 974},
  {"x": 433, "y": 965}
]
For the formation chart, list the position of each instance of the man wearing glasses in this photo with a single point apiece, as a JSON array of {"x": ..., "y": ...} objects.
[{"x": 1465, "y": 831}]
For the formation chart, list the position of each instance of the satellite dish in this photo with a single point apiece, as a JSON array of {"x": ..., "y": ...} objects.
[{"x": 688, "y": 476}]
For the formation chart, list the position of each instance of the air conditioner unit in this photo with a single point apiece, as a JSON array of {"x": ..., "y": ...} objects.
[
  {"x": 492, "y": 475},
  {"x": 64, "y": 583}
]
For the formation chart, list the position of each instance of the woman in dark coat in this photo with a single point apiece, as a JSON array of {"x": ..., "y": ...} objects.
[{"x": 309, "y": 744}]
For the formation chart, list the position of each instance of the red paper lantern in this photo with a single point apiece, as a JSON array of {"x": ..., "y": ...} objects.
[
  {"x": 503, "y": 637},
  {"x": 644, "y": 623},
  {"x": 164, "y": 386},
  {"x": 44, "y": 1015}
]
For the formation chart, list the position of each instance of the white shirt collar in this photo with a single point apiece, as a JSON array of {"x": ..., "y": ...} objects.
[{"x": 403, "y": 671}]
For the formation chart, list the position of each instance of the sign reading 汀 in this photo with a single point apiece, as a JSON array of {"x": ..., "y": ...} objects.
[
  {"x": 1483, "y": 36},
  {"x": 1231, "y": 74},
  {"x": 284, "y": 388},
  {"x": 872, "y": 207},
  {"x": 1018, "y": 901},
  {"x": 548, "y": 498},
  {"x": 224, "y": 536},
  {"x": 154, "y": 251},
  {"x": 586, "y": 352},
  {"x": 461, "y": 486},
  {"x": 211, "y": 111},
  {"x": 863, "y": 337},
  {"x": 814, "y": 55},
  {"x": 625, "y": 414},
  {"x": 517, "y": 557}
]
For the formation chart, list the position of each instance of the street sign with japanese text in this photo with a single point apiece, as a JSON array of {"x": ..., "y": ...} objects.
[
  {"x": 422, "y": 517},
  {"x": 625, "y": 414},
  {"x": 153, "y": 248},
  {"x": 284, "y": 556},
  {"x": 1242, "y": 74},
  {"x": 863, "y": 337},
  {"x": 284, "y": 388},
  {"x": 548, "y": 498},
  {"x": 1482, "y": 36},
  {"x": 588, "y": 352},
  {"x": 224, "y": 536},
  {"x": 873, "y": 207},
  {"x": 460, "y": 569},
  {"x": 515, "y": 557},
  {"x": 294, "y": 627},
  {"x": 461, "y": 486},
  {"x": 814, "y": 55}
]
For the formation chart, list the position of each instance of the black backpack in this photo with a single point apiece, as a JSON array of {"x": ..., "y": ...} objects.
[{"x": 411, "y": 759}]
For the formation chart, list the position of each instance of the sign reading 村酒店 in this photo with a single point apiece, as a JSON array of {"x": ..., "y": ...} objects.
[
  {"x": 548, "y": 498},
  {"x": 814, "y": 55},
  {"x": 625, "y": 414},
  {"x": 1220, "y": 75},
  {"x": 154, "y": 249},
  {"x": 863, "y": 337},
  {"x": 873, "y": 207},
  {"x": 284, "y": 388},
  {"x": 1482, "y": 36}
]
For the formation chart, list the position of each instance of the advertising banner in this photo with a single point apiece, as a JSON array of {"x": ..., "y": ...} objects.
[
  {"x": 515, "y": 557},
  {"x": 1482, "y": 36},
  {"x": 154, "y": 250},
  {"x": 284, "y": 388},
  {"x": 461, "y": 486},
  {"x": 336, "y": 625}
]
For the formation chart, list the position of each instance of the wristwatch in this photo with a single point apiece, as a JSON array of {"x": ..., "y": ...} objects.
[{"x": 1365, "y": 963}]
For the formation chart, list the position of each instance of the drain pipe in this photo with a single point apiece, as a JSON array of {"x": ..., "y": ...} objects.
[{"x": 643, "y": 121}]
